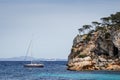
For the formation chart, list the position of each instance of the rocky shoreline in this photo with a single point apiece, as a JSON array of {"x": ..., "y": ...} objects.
[
  {"x": 87, "y": 63},
  {"x": 97, "y": 50}
]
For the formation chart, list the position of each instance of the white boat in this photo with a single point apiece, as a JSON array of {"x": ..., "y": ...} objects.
[{"x": 32, "y": 65}]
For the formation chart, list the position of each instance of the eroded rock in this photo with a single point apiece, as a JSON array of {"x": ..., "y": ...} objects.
[{"x": 97, "y": 54}]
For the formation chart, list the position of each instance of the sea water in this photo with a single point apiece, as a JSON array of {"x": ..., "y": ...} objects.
[{"x": 53, "y": 70}]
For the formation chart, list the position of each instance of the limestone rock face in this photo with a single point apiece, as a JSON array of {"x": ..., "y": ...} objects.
[
  {"x": 81, "y": 63},
  {"x": 76, "y": 40},
  {"x": 116, "y": 40},
  {"x": 98, "y": 53},
  {"x": 104, "y": 46}
]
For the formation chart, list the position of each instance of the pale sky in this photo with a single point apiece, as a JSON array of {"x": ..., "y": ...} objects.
[{"x": 53, "y": 24}]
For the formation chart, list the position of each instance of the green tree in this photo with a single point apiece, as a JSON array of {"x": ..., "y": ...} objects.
[
  {"x": 96, "y": 24},
  {"x": 87, "y": 27},
  {"x": 80, "y": 30},
  {"x": 106, "y": 21},
  {"x": 115, "y": 20}
]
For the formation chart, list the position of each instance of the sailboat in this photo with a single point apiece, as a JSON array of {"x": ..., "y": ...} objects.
[{"x": 31, "y": 64}]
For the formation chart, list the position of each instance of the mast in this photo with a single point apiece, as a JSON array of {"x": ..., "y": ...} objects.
[{"x": 29, "y": 50}]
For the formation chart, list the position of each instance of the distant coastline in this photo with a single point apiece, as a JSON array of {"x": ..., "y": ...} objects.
[{"x": 22, "y": 58}]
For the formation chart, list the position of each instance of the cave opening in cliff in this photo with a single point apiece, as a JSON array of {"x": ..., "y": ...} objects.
[{"x": 115, "y": 49}]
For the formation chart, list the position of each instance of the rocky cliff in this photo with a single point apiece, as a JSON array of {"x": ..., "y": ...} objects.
[
  {"x": 99, "y": 49},
  {"x": 99, "y": 53}
]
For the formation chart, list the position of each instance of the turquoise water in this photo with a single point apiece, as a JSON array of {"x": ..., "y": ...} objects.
[
  {"x": 85, "y": 76},
  {"x": 53, "y": 70}
]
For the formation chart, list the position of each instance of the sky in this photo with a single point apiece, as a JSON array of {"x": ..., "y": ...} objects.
[{"x": 50, "y": 24}]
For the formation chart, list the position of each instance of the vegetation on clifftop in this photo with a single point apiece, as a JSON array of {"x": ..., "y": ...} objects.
[{"x": 106, "y": 26}]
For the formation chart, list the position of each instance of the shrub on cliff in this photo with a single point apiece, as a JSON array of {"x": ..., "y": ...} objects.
[{"x": 105, "y": 27}]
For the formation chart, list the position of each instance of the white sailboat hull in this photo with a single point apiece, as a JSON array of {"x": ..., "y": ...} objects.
[{"x": 34, "y": 65}]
